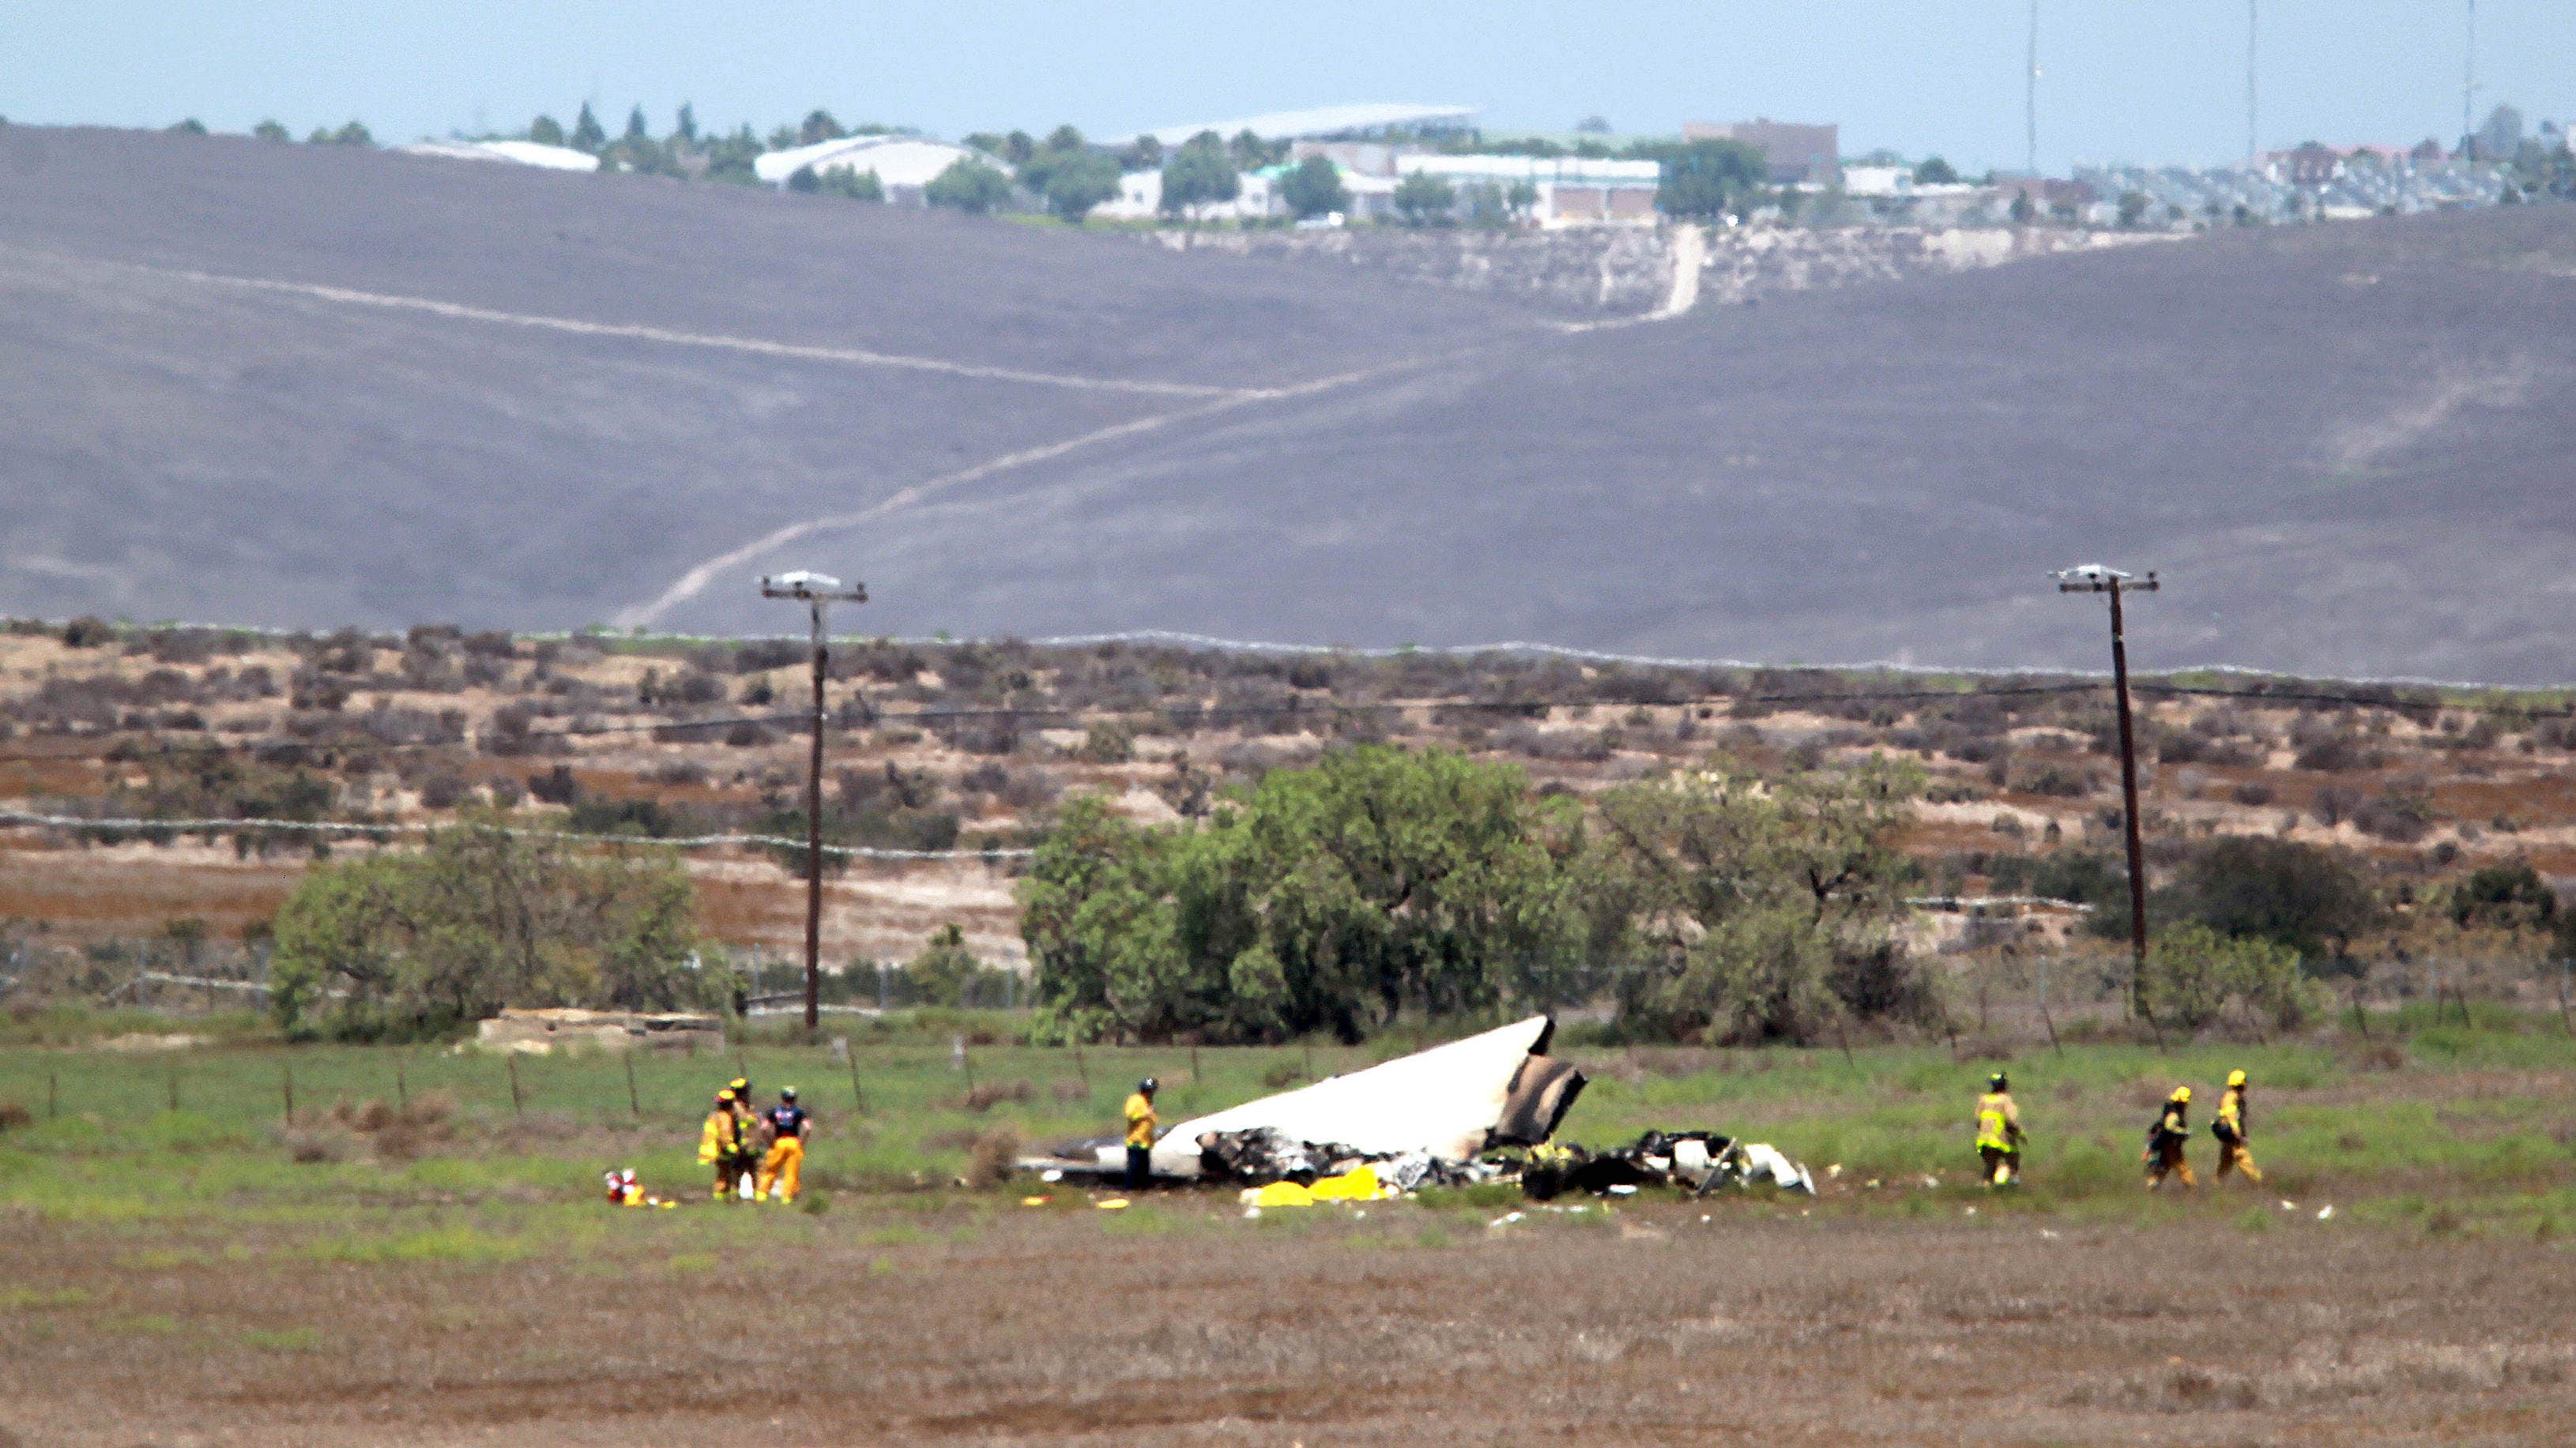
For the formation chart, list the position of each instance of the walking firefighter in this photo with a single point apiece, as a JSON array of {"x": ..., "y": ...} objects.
[
  {"x": 2166, "y": 1140},
  {"x": 1999, "y": 1134},
  {"x": 2234, "y": 1128},
  {"x": 782, "y": 1167}
]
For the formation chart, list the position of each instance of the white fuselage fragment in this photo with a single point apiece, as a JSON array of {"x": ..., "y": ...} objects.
[{"x": 1445, "y": 1101}]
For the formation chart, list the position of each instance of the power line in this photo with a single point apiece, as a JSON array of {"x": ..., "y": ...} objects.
[{"x": 137, "y": 825}]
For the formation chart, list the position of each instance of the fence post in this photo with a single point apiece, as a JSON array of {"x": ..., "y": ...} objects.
[
  {"x": 858, "y": 1098},
  {"x": 286, "y": 1083},
  {"x": 53, "y": 1096},
  {"x": 402, "y": 1087},
  {"x": 174, "y": 1086},
  {"x": 2564, "y": 1019},
  {"x": 511, "y": 1061},
  {"x": 2044, "y": 1018},
  {"x": 633, "y": 1103}
]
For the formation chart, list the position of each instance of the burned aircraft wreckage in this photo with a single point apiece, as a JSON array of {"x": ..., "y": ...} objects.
[{"x": 1479, "y": 1109}]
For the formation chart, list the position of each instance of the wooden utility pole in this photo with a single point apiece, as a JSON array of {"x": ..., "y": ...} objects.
[
  {"x": 818, "y": 592},
  {"x": 2094, "y": 578}
]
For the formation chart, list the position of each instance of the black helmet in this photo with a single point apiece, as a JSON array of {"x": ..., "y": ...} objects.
[
  {"x": 786, "y": 1093},
  {"x": 1149, "y": 1085},
  {"x": 1998, "y": 1082}
]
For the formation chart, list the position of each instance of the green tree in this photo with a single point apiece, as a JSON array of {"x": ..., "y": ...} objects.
[
  {"x": 686, "y": 127},
  {"x": 2508, "y": 895},
  {"x": 818, "y": 125},
  {"x": 189, "y": 127},
  {"x": 2193, "y": 972},
  {"x": 546, "y": 131},
  {"x": 856, "y": 185},
  {"x": 1763, "y": 906},
  {"x": 970, "y": 186},
  {"x": 270, "y": 130},
  {"x": 1080, "y": 181},
  {"x": 352, "y": 134},
  {"x": 587, "y": 134},
  {"x": 1422, "y": 197},
  {"x": 945, "y": 971},
  {"x": 1314, "y": 188},
  {"x": 1936, "y": 172},
  {"x": 2297, "y": 895},
  {"x": 636, "y": 134},
  {"x": 2133, "y": 208},
  {"x": 1705, "y": 180},
  {"x": 415, "y": 944},
  {"x": 1199, "y": 173},
  {"x": 1376, "y": 883}
]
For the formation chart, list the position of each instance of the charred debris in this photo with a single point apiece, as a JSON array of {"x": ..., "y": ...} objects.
[{"x": 1482, "y": 1109}]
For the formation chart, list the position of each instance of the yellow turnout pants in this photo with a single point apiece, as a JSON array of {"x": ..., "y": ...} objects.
[
  {"x": 2236, "y": 1156},
  {"x": 780, "y": 1169}
]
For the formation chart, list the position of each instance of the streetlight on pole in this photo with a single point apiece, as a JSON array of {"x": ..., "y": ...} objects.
[
  {"x": 2094, "y": 578},
  {"x": 818, "y": 591}
]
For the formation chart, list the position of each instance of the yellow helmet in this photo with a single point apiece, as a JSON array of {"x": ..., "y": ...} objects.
[
  {"x": 2182, "y": 1095},
  {"x": 724, "y": 1096},
  {"x": 2235, "y": 1078}
]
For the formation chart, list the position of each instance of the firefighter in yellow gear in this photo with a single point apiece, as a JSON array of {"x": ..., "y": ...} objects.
[
  {"x": 747, "y": 1138},
  {"x": 783, "y": 1165},
  {"x": 2234, "y": 1129},
  {"x": 1999, "y": 1132},
  {"x": 2167, "y": 1138},
  {"x": 1140, "y": 1134},
  {"x": 720, "y": 1143}
]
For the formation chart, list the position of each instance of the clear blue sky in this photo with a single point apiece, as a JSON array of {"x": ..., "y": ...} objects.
[{"x": 2147, "y": 80}]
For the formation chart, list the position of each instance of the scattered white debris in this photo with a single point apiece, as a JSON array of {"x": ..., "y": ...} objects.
[
  {"x": 2046, "y": 1235},
  {"x": 1251, "y": 1212},
  {"x": 1051, "y": 1175},
  {"x": 2325, "y": 1213},
  {"x": 1870, "y": 1185},
  {"x": 1624, "y": 1189},
  {"x": 2288, "y": 1206},
  {"x": 1930, "y": 1181},
  {"x": 1970, "y": 1212},
  {"x": 1703, "y": 1216},
  {"x": 1834, "y": 1172}
]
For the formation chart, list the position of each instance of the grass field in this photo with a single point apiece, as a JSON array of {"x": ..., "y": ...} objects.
[{"x": 244, "y": 1280}]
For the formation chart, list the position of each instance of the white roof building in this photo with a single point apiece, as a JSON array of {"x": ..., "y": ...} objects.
[
  {"x": 897, "y": 160},
  {"x": 1319, "y": 122},
  {"x": 520, "y": 153}
]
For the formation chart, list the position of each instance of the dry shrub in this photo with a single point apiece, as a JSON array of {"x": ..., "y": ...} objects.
[
  {"x": 994, "y": 1093},
  {"x": 1070, "y": 1090},
  {"x": 2195, "y": 1388},
  {"x": 13, "y": 1115},
  {"x": 397, "y": 1133},
  {"x": 1283, "y": 1076},
  {"x": 311, "y": 1147},
  {"x": 990, "y": 1161},
  {"x": 2372, "y": 1054}
]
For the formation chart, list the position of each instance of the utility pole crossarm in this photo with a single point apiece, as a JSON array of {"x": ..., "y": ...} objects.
[{"x": 817, "y": 591}]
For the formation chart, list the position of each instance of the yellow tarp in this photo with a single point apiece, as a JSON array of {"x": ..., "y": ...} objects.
[
  {"x": 1359, "y": 1184},
  {"x": 1283, "y": 1194}
]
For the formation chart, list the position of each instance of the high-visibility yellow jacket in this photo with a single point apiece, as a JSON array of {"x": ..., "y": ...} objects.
[
  {"x": 1998, "y": 1120},
  {"x": 2232, "y": 1124},
  {"x": 717, "y": 1141},
  {"x": 1140, "y": 1120}
]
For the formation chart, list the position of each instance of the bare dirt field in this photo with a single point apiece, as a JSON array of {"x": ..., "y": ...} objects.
[{"x": 1178, "y": 1322}]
